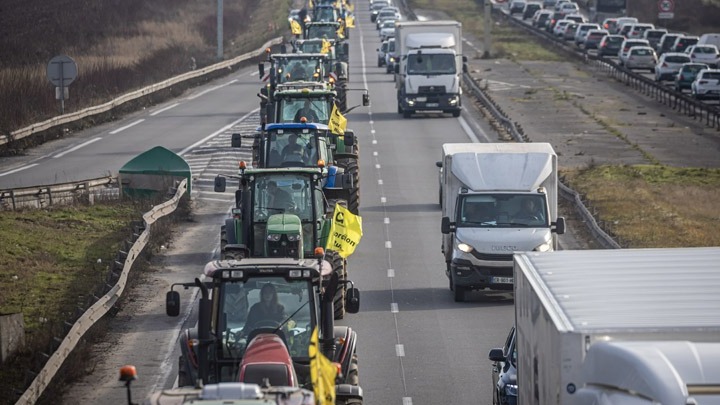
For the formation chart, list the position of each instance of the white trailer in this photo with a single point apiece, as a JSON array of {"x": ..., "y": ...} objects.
[
  {"x": 630, "y": 326},
  {"x": 430, "y": 66},
  {"x": 483, "y": 189}
]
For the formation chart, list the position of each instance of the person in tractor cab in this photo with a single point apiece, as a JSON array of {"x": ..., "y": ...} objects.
[
  {"x": 268, "y": 312},
  {"x": 306, "y": 111},
  {"x": 278, "y": 199},
  {"x": 299, "y": 71},
  {"x": 236, "y": 303},
  {"x": 293, "y": 151}
]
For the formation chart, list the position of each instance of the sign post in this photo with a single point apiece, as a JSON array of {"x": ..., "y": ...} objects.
[
  {"x": 61, "y": 71},
  {"x": 666, "y": 9}
]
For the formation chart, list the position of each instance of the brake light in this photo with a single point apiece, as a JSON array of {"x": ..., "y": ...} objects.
[{"x": 664, "y": 64}]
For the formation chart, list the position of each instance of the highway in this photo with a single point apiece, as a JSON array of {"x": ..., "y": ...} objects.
[{"x": 416, "y": 345}]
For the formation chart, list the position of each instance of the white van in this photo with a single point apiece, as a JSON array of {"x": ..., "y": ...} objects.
[{"x": 710, "y": 39}]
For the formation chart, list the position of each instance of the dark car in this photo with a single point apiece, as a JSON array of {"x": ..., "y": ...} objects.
[
  {"x": 610, "y": 45},
  {"x": 687, "y": 74},
  {"x": 517, "y": 7},
  {"x": 683, "y": 42},
  {"x": 504, "y": 372},
  {"x": 666, "y": 42},
  {"x": 552, "y": 20}
]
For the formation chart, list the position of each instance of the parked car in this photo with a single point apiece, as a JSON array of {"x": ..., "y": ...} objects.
[
  {"x": 683, "y": 42},
  {"x": 570, "y": 30},
  {"x": 666, "y": 42},
  {"x": 710, "y": 39},
  {"x": 637, "y": 30},
  {"x": 516, "y": 7},
  {"x": 706, "y": 84},
  {"x": 540, "y": 18},
  {"x": 629, "y": 43},
  {"x": 687, "y": 74},
  {"x": 593, "y": 38},
  {"x": 620, "y": 22},
  {"x": 504, "y": 372},
  {"x": 653, "y": 36},
  {"x": 641, "y": 57},
  {"x": 669, "y": 65},
  {"x": 610, "y": 45},
  {"x": 707, "y": 54},
  {"x": 530, "y": 8},
  {"x": 582, "y": 31}
]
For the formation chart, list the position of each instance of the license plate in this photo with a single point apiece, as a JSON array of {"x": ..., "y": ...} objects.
[
  {"x": 433, "y": 104},
  {"x": 502, "y": 280}
]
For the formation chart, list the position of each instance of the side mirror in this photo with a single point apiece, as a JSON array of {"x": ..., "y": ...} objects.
[
  {"x": 465, "y": 69},
  {"x": 172, "y": 303},
  {"x": 352, "y": 300},
  {"x": 397, "y": 68},
  {"x": 349, "y": 138},
  {"x": 365, "y": 99},
  {"x": 236, "y": 141},
  {"x": 220, "y": 184},
  {"x": 559, "y": 226},
  {"x": 438, "y": 164},
  {"x": 496, "y": 355},
  {"x": 446, "y": 226},
  {"x": 464, "y": 59},
  {"x": 261, "y": 70}
]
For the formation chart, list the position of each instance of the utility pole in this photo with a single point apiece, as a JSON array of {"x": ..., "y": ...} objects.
[
  {"x": 220, "y": 29},
  {"x": 488, "y": 29}
]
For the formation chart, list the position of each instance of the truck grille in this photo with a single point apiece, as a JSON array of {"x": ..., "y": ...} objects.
[
  {"x": 431, "y": 89},
  {"x": 492, "y": 257}
]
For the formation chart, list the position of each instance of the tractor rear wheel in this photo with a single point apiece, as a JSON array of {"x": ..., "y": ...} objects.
[
  {"x": 338, "y": 266},
  {"x": 341, "y": 88},
  {"x": 352, "y": 195}
]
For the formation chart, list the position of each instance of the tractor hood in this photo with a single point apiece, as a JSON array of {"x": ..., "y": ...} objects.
[{"x": 284, "y": 224}]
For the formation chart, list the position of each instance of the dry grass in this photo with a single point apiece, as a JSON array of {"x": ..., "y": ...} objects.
[{"x": 654, "y": 206}]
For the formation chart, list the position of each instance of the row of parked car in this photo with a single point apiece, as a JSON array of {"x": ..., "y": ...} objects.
[{"x": 691, "y": 62}]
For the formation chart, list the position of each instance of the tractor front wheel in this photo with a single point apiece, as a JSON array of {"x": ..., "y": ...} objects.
[
  {"x": 352, "y": 195},
  {"x": 338, "y": 266}
]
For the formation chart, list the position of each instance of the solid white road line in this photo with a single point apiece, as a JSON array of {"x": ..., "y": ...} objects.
[
  {"x": 73, "y": 149},
  {"x": 126, "y": 126}
]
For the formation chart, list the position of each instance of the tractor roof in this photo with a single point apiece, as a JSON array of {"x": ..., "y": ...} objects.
[
  {"x": 299, "y": 56},
  {"x": 277, "y": 126},
  {"x": 264, "y": 267},
  {"x": 282, "y": 170}
]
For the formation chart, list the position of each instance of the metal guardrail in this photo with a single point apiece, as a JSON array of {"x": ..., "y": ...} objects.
[
  {"x": 41, "y": 196},
  {"x": 102, "y": 306},
  {"x": 682, "y": 103},
  {"x": 99, "y": 109}
]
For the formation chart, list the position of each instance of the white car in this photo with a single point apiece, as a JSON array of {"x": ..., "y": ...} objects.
[
  {"x": 569, "y": 8},
  {"x": 582, "y": 31},
  {"x": 641, "y": 57},
  {"x": 669, "y": 65},
  {"x": 637, "y": 30},
  {"x": 387, "y": 29},
  {"x": 707, "y": 54},
  {"x": 629, "y": 43},
  {"x": 560, "y": 26},
  {"x": 706, "y": 84}
]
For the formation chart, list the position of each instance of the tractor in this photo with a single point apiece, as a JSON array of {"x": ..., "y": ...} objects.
[
  {"x": 274, "y": 145},
  {"x": 232, "y": 344},
  {"x": 283, "y": 212}
]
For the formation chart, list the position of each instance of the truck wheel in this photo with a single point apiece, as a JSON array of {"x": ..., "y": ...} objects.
[
  {"x": 183, "y": 377},
  {"x": 407, "y": 114},
  {"x": 459, "y": 293},
  {"x": 352, "y": 196},
  {"x": 338, "y": 265},
  {"x": 400, "y": 110},
  {"x": 456, "y": 113}
]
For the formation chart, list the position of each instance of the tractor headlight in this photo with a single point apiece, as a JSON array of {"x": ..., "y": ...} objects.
[
  {"x": 293, "y": 238},
  {"x": 275, "y": 237}
]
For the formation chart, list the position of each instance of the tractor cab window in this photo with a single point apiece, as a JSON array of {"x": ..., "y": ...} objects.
[
  {"x": 290, "y": 108},
  {"x": 326, "y": 31},
  {"x": 280, "y": 194},
  {"x": 271, "y": 303},
  {"x": 293, "y": 148}
]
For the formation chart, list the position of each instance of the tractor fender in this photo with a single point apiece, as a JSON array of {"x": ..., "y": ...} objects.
[
  {"x": 343, "y": 392},
  {"x": 344, "y": 353},
  {"x": 189, "y": 355}
]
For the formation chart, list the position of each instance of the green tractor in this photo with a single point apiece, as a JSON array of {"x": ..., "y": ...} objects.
[
  {"x": 336, "y": 64},
  {"x": 283, "y": 212},
  {"x": 309, "y": 145},
  {"x": 232, "y": 344}
]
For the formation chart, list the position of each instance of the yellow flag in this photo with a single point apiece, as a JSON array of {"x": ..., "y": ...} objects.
[
  {"x": 339, "y": 32},
  {"x": 322, "y": 372},
  {"x": 295, "y": 27},
  {"x": 325, "y": 46},
  {"x": 350, "y": 22},
  {"x": 337, "y": 123},
  {"x": 345, "y": 231}
]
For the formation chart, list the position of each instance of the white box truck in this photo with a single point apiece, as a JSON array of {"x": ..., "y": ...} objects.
[
  {"x": 626, "y": 326},
  {"x": 496, "y": 198},
  {"x": 430, "y": 66}
]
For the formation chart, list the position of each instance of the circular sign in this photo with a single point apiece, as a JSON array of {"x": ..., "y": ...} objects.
[
  {"x": 500, "y": 1},
  {"x": 666, "y": 6},
  {"x": 61, "y": 70}
]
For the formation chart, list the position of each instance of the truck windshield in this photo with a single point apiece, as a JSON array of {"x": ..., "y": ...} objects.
[
  {"x": 431, "y": 64},
  {"x": 265, "y": 302},
  {"x": 502, "y": 210}
]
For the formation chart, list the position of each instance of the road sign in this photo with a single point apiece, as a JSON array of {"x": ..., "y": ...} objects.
[
  {"x": 666, "y": 6},
  {"x": 61, "y": 70}
]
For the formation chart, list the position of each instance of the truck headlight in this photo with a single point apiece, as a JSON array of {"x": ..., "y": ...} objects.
[
  {"x": 453, "y": 100},
  {"x": 511, "y": 390},
  {"x": 545, "y": 247},
  {"x": 464, "y": 247},
  {"x": 410, "y": 102},
  {"x": 392, "y": 60}
]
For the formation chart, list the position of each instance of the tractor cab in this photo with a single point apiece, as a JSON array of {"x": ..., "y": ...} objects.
[
  {"x": 292, "y": 145},
  {"x": 293, "y": 67},
  {"x": 330, "y": 30},
  {"x": 255, "y": 321},
  {"x": 325, "y": 13},
  {"x": 289, "y": 102}
]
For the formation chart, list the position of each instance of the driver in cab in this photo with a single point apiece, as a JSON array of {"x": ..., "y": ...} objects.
[
  {"x": 268, "y": 312},
  {"x": 278, "y": 199}
]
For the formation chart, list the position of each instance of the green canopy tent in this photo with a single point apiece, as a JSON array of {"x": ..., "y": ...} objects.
[{"x": 154, "y": 171}]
